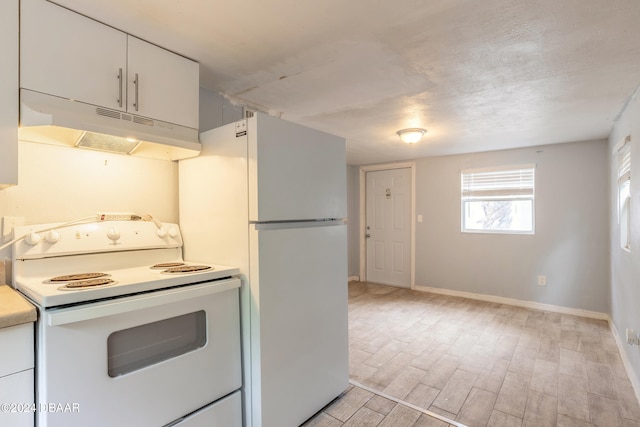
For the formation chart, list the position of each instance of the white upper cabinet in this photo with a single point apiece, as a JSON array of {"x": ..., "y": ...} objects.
[
  {"x": 161, "y": 84},
  {"x": 70, "y": 56},
  {"x": 8, "y": 93},
  {"x": 66, "y": 54}
]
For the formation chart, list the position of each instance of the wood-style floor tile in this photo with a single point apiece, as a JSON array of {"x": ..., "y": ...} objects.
[
  {"x": 344, "y": 408},
  {"x": 573, "y": 399},
  {"x": 380, "y": 404},
  {"x": 541, "y": 410},
  {"x": 545, "y": 377},
  {"x": 500, "y": 419},
  {"x": 512, "y": 398},
  {"x": 629, "y": 406},
  {"x": 600, "y": 380},
  {"x": 400, "y": 416},
  {"x": 422, "y": 395},
  {"x": 604, "y": 411},
  {"x": 477, "y": 408},
  {"x": 565, "y": 421},
  {"x": 479, "y": 363},
  {"x": 455, "y": 392},
  {"x": 364, "y": 417},
  {"x": 323, "y": 420},
  {"x": 404, "y": 382},
  {"x": 440, "y": 373},
  {"x": 427, "y": 421}
]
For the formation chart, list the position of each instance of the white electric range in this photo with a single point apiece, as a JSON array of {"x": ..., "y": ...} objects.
[{"x": 129, "y": 332}]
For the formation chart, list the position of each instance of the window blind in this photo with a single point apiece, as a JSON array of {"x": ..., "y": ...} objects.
[
  {"x": 515, "y": 183},
  {"x": 624, "y": 164}
]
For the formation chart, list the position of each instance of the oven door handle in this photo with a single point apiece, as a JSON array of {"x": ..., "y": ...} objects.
[{"x": 128, "y": 304}]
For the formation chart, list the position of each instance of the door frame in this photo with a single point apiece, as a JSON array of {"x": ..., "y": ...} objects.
[{"x": 363, "y": 214}]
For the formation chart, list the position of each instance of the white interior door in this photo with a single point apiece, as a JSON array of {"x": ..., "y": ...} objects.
[{"x": 388, "y": 226}]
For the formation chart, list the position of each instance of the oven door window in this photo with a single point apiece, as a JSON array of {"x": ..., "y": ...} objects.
[{"x": 135, "y": 348}]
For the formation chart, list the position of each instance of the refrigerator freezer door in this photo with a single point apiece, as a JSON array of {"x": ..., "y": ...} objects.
[
  {"x": 299, "y": 332},
  {"x": 295, "y": 173}
]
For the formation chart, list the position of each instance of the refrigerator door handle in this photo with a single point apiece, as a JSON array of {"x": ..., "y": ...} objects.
[{"x": 277, "y": 225}]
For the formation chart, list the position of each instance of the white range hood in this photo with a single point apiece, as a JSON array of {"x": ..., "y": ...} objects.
[{"x": 60, "y": 121}]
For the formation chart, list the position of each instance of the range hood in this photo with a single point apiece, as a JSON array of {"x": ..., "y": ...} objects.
[{"x": 53, "y": 120}]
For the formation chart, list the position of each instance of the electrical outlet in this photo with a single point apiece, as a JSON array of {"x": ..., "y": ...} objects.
[
  {"x": 542, "y": 280},
  {"x": 8, "y": 222},
  {"x": 117, "y": 216},
  {"x": 632, "y": 338}
]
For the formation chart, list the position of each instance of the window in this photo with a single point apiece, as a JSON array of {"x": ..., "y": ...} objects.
[
  {"x": 624, "y": 193},
  {"x": 498, "y": 200}
]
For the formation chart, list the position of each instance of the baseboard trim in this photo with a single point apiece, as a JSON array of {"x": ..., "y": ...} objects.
[
  {"x": 517, "y": 303},
  {"x": 635, "y": 383},
  {"x": 354, "y": 278}
]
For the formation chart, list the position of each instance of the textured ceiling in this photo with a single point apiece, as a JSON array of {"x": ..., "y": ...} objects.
[{"x": 479, "y": 75}]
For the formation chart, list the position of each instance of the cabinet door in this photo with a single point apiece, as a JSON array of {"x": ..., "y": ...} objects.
[
  {"x": 17, "y": 391},
  {"x": 9, "y": 93},
  {"x": 166, "y": 86},
  {"x": 66, "y": 54}
]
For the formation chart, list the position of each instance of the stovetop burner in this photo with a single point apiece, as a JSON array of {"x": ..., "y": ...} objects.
[
  {"x": 165, "y": 265},
  {"x": 75, "y": 277},
  {"x": 187, "y": 269},
  {"x": 85, "y": 284}
]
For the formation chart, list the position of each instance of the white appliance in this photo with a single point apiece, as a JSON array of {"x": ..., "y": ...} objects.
[
  {"x": 270, "y": 196},
  {"x": 128, "y": 333},
  {"x": 54, "y": 120}
]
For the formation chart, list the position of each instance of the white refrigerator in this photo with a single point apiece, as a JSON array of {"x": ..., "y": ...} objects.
[{"x": 269, "y": 196}]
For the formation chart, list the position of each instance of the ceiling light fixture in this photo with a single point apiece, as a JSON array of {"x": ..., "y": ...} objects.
[{"x": 411, "y": 135}]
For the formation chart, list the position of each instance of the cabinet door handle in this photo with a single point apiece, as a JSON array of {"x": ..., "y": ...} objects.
[
  {"x": 136, "y": 83},
  {"x": 120, "y": 87}
]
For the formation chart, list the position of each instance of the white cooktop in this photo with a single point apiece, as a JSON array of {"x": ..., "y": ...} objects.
[{"x": 93, "y": 248}]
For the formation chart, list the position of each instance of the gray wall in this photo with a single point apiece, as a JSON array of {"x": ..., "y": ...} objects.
[
  {"x": 571, "y": 242},
  {"x": 625, "y": 267},
  {"x": 216, "y": 110},
  {"x": 353, "y": 220}
]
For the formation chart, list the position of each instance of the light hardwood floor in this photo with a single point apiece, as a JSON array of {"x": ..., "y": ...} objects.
[{"x": 478, "y": 363}]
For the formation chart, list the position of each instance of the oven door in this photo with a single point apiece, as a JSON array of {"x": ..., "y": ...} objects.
[{"x": 142, "y": 360}]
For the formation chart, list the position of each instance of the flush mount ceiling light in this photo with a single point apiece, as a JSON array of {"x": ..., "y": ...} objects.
[{"x": 411, "y": 135}]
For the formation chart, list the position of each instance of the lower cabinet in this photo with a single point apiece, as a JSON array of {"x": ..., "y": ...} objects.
[
  {"x": 17, "y": 403},
  {"x": 17, "y": 407}
]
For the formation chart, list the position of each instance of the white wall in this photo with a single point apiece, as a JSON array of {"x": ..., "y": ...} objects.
[
  {"x": 57, "y": 184},
  {"x": 625, "y": 266},
  {"x": 570, "y": 244}
]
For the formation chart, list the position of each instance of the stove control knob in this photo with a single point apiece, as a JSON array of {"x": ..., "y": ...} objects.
[
  {"x": 32, "y": 238},
  {"x": 52, "y": 236},
  {"x": 162, "y": 232},
  {"x": 173, "y": 232},
  {"x": 113, "y": 235}
]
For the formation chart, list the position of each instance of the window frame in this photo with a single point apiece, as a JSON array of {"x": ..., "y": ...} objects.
[
  {"x": 623, "y": 185},
  {"x": 502, "y": 194}
]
